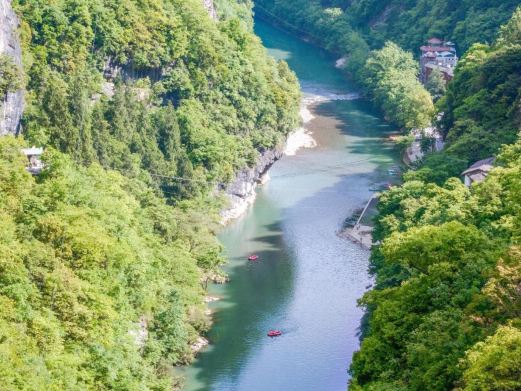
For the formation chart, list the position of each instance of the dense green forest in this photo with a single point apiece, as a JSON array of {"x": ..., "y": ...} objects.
[
  {"x": 359, "y": 29},
  {"x": 85, "y": 253},
  {"x": 342, "y": 24},
  {"x": 408, "y": 22},
  {"x": 182, "y": 95},
  {"x": 105, "y": 256},
  {"x": 446, "y": 310}
]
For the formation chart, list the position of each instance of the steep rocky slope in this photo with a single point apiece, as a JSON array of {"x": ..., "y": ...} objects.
[{"x": 11, "y": 107}]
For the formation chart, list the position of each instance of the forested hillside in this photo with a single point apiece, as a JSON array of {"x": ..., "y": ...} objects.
[
  {"x": 407, "y": 23},
  {"x": 154, "y": 85},
  {"x": 482, "y": 106},
  {"x": 84, "y": 255},
  {"x": 143, "y": 108},
  {"x": 483, "y": 102},
  {"x": 360, "y": 29},
  {"x": 446, "y": 311}
]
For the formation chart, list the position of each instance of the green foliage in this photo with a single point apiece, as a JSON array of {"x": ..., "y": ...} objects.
[
  {"x": 436, "y": 84},
  {"x": 85, "y": 253},
  {"x": 482, "y": 103},
  {"x": 446, "y": 310},
  {"x": 437, "y": 168},
  {"x": 446, "y": 279},
  {"x": 494, "y": 363},
  {"x": 391, "y": 77},
  {"x": 10, "y": 78},
  {"x": 154, "y": 86},
  {"x": 411, "y": 23}
]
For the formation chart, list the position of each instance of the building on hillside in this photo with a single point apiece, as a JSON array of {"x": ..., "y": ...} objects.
[
  {"x": 33, "y": 155},
  {"x": 438, "y": 55},
  {"x": 478, "y": 171}
]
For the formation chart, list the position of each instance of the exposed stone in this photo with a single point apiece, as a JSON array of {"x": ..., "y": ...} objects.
[
  {"x": 241, "y": 192},
  {"x": 11, "y": 108},
  {"x": 140, "y": 332},
  {"x": 199, "y": 344}
]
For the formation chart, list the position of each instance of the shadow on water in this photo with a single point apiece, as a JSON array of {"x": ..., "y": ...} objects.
[
  {"x": 255, "y": 290},
  {"x": 312, "y": 65},
  {"x": 264, "y": 294},
  {"x": 307, "y": 280}
]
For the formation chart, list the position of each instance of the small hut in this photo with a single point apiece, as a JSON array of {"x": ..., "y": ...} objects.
[
  {"x": 33, "y": 155},
  {"x": 478, "y": 171}
]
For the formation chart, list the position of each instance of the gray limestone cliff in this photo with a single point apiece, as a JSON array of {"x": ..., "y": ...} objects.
[
  {"x": 11, "y": 108},
  {"x": 241, "y": 192}
]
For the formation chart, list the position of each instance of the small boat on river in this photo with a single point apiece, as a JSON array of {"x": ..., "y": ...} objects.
[
  {"x": 274, "y": 333},
  {"x": 253, "y": 257}
]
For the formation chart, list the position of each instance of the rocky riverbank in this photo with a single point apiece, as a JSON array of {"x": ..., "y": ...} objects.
[{"x": 241, "y": 192}]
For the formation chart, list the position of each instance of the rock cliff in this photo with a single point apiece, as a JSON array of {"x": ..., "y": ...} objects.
[
  {"x": 11, "y": 108},
  {"x": 241, "y": 192}
]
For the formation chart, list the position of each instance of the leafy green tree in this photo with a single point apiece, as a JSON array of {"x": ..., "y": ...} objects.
[
  {"x": 436, "y": 84},
  {"x": 493, "y": 363},
  {"x": 10, "y": 79}
]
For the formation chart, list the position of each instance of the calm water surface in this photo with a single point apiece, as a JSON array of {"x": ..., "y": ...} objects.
[{"x": 308, "y": 279}]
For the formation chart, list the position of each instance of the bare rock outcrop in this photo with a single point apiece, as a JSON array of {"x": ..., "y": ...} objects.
[
  {"x": 241, "y": 192},
  {"x": 11, "y": 108}
]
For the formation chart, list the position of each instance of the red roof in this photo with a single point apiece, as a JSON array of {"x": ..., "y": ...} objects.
[{"x": 435, "y": 41}]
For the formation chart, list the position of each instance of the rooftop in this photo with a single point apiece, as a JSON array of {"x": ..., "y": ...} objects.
[
  {"x": 32, "y": 151},
  {"x": 484, "y": 165}
]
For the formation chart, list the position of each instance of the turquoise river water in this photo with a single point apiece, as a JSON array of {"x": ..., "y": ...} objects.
[{"x": 308, "y": 279}]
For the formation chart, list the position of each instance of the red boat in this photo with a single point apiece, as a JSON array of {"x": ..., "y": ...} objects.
[
  {"x": 253, "y": 257},
  {"x": 274, "y": 333}
]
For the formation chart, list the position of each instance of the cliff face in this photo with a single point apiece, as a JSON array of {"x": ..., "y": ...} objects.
[
  {"x": 11, "y": 108},
  {"x": 241, "y": 192}
]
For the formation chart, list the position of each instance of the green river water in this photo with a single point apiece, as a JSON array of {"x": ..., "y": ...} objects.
[{"x": 308, "y": 279}]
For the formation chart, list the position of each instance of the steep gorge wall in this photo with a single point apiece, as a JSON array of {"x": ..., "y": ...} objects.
[
  {"x": 11, "y": 108},
  {"x": 241, "y": 191}
]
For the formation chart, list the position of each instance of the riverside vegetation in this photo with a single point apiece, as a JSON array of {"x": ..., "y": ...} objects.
[
  {"x": 101, "y": 239},
  {"x": 445, "y": 312},
  {"x": 124, "y": 95}
]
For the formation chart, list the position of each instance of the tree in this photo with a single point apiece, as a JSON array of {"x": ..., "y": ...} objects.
[
  {"x": 10, "y": 78},
  {"x": 436, "y": 84},
  {"x": 494, "y": 363}
]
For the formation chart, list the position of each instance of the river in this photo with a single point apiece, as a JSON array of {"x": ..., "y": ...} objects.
[{"x": 308, "y": 279}]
